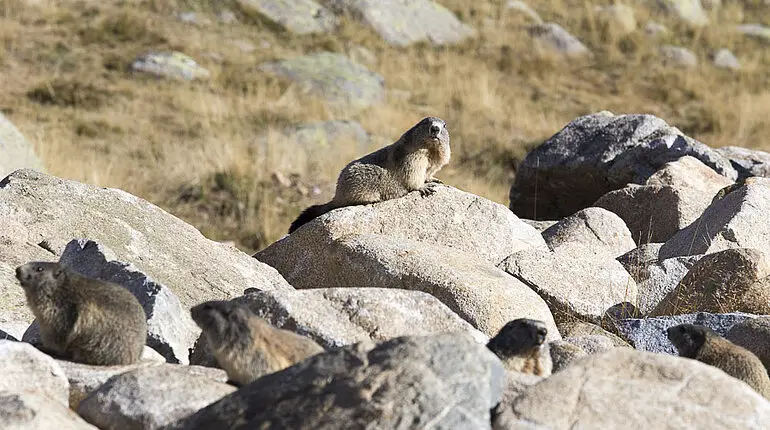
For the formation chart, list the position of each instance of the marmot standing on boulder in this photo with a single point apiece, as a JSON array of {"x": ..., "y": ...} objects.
[
  {"x": 390, "y": 172},
  {"x": 246, "y": 346},
  {"x": 82, "y": 319},
  {"x": 702, "y": 344},
  {"x": 521, "y": 346}
]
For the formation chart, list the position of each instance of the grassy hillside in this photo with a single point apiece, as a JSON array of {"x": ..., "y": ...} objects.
[{"x": 191, "y": 147}]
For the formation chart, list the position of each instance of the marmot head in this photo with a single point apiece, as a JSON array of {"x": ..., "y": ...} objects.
[
  {"x": 429, "y": 130},
  {"x": 688, "y": 338},
  {"x": 222, "y": 322},
  {"x": 518, "y": 336},
  {"x": 39, "y": 277}
]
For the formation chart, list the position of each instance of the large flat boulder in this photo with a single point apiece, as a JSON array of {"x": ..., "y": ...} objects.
[
  {"x": 598, "y": 153},
  {"x": 473, "y": 288},
  {"x": 25, "y": 368},
  {"x": 445, "y": 381}
]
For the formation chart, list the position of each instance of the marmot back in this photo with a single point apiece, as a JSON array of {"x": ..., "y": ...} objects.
[
  {"x": 703, "y": 344},
  {"x": 521, "y": 346},
  {"x": 390, "y": 172},
  {"x": 246, "y": 346},
  {"x": 82, "y": 319}
]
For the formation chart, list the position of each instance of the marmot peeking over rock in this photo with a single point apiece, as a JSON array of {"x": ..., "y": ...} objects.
[
  {"x": 390, "y": 172},
  {"x": 82, "y": 319},
  {"x": 246, "y": 346},
  {"x": 521, "y": 346},
  {"x": 702, "y": 344}
]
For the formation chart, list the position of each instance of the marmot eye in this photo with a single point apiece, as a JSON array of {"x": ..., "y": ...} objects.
[{"x": 39, "y": 269}]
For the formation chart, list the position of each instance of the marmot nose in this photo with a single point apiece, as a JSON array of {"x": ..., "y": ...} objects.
[{"x": 434, "y": 129}]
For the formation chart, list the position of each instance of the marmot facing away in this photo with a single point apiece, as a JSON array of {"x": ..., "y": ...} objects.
[
  {"x": 702, "y": 344},
  {"x": 390, "y": 172},
  {"x": 246, "y": 346},
  {"x": 82, "y": 319},
  {"x": 521, "y": 346}
]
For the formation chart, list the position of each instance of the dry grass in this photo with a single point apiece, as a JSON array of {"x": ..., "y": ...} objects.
[{"x": 192, "y": 148}]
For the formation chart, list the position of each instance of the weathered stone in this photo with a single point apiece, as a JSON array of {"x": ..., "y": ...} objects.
[
  {"x": 618, "y": 17},
  {"x": 515, "y": 384},
  {"x": 84, "y": 378},
  {"x": 473, "y": 288},
  {"x": 403, "y": 22},
  {"x": 52, "y": 211},
  {"x": 333, "y": 77},
  {"x": 649, "y": 334},
  {"x": 25, "y": 368},
  {"x": 581, "y": 329},
  {"x": 297, "y": 16},
  {"x": 393, "y": 384},
  {"x": 551, "y": 37},
  {"x": 725, "y": 59},
  {"x": 150, "y": 397},
  {"x": 754, "y": 335},
  {"x": 175, "y": 65},
  {"x": 521, "y": 7},
  {"x": 33, "y": 410},
  {"x": 653, "y": 29},
  {"x": 15, "y": 151},
  {"x": 598, "y": 153},
  {"x": 667, "y": 391},
  {"x": 170, "y": 329},
  {"x": 655, "y": 279},
  {"x": 592, "y": 228},
  {"x": 592, "y": 343},
  {"x": 755, "y": 31},
  {"x": 563, "y": 353},
  {"x": 748, "y": 162},
  {"x": 688, "y": 11},
  {"x": 539, "y": 225},
  {"x": 678, "y": 56},
  {"x": 451, "y": 218},
  {"x": 643, "y": 254},
  {"x": 575, "y": 282}
]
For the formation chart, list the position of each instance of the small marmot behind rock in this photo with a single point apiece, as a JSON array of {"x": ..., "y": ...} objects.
[
  {"x": 521, "y": 346},
  {"x": 246, "y": 346},
  {"x": 390, "y": 172},
  {"x": 703, "y": 344},
  {"x": 82, "y": 319}
]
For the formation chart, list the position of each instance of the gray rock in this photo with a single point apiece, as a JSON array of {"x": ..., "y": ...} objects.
[
  {"x": 564, "y": 353},
  {"x": 450, "y": 218},
  {"x": 25, "y": 368},
  {"x": 725, "y": 59},
  {"x": 643, "y": 254},
  {"x": 734, "y": 221},
  {"x": 403, "y": 22},
  {"x": 15, "y": 151},
  {"x": 150, "y": 397},
  {"x": 170, "y": 329},
  {"x": 575, "y": 282},
  {"x": 166, "y": 249},
  {"x": 592, "y": 343},
  {"x": 175, "y": 65},
  {"x": 592, "y": 228},
  {"x": 668, "y": 391},
  {"x": 515, "y": 384},
  {"x": 678, "y": 56},
  {"x": 551, "y": 37},
  {"x": 6, "y": 336},
  {"x": 598, "y": 153},
  {"x": 655, "y": 279},
  {"x": 297, "y": 16},
  {"x": 654, "y": 29},
  {"x": 754, "y": 335},
  {"x": 473, "y": 288},
  {"x": 33, "y": 410},
  {"x": 748, "y": 162},
  {"x": 333, "y": 77},
  {"x": 688, "y": 11},
  {"x": 649, "y": 334},
  {"x": 85, "y": 379},
  {"x": 520, "y": 6},
  {"x": 733, "y": 280},
  {"x": 673, "y": 197},
  {"x": 755, "y": 31},
  {"x": 395, "y": 384},
  {"x": 580, "y": 329}
]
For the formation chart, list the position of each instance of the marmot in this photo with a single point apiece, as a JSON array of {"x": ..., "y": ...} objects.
[
  {"x": 702, "y": 344},
  {"x": 390, "y": 172},
  {"x": 246, "y": 346},
  {"x": 82, "y": 319},
  {"x": 521, "y": 346}
]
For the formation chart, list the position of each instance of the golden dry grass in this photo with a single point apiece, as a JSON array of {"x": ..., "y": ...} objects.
[{"x": 191, "y": 147}]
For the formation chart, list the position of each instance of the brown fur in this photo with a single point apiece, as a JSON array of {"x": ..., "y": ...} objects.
[
  {"x": 246, "y": 346},
  {"x": 702, "y": 344},
  {"x": 82, "y": 319},
  {"x": 390, "y": 172},
  {"x": 521, "y": 346}
]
